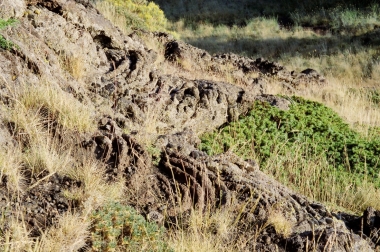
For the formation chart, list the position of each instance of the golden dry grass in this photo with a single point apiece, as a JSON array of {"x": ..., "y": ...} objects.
[
  {"x": 16, "y": 237},
  {"x": 346, "y": 65},
  {"x": 313, "y": 177},
  {"x": 75, "y": 65},
  {"x": 281, "y": 225},
  {"x": 52, "y": 104},
  {"x": 69, "y": 234},
  {"x": 10, "y": 170},
  {"x": 95, "y": 190},
  {"x": 205, "y": 232},
  {"x": 45, "y": 157},
  {"x": 35, "y": 111}
]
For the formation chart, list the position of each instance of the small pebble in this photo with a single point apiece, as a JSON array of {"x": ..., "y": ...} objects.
[{"x": 329, "y": 220}]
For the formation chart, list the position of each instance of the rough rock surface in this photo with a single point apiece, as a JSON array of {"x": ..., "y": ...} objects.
[
  {"x": 241, "y": 66},
  {"x": 12, "y": 9},
  {"x": 115, "y": 75}
]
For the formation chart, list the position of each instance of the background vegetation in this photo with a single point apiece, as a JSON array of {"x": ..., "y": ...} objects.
[
  {"x": 237, "y": 12},
  {"x": 341, "y": 42}
]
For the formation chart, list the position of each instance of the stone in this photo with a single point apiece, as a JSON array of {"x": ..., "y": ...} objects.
[{"x": 12, "y": 9}]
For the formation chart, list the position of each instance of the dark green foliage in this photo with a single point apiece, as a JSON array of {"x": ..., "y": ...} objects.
[
  {"x": 238, "y": 12},
  {"x": 120, "y": 226},
  {"x": 266, "y": 131},
  {"x": 5, "y": 44}
]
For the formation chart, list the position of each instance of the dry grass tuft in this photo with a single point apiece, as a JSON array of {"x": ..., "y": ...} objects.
[
  {"x": 52, "y": 104},
  {"x": 28, "y": 126},
  {"x": 75, "y": 65},
  {"x": 314, "y": 177},
  {"x": 282, "y": 225},
  {"x": 10, "y": 170},
  {"x": 70, "y": 234},
  {"x": 45, "y": 157},
  {"x": 15, "y": 237},
  {"x": 95, "y": 191},
  {"x": 206, "y": 231},
  {"x": 367, "y": 195}
]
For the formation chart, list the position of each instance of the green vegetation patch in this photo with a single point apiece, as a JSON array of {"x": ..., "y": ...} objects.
[
  {"x": 117, "y": 226},
  {"x": 141, "y": 14},
  {"x": 4, "y": 43},
  {"x": 308, "y": 128}
]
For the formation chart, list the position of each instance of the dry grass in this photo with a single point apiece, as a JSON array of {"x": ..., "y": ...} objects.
[
  {"x": 10, "y": 170},
  {"x": 54, "y": 105},
  {"x": 95, "y": 191},
  {"x": 34, "y": 113},
  {"x": 205, "y": 232},
  {"x": 282, "y": 225},
  {"x": 37, "y": 109},
  {"x": 69, "y": 234},
  {"x": 28, "y": 126},
  {"x": 71, "y": 231},
  {"x": 75, "y": 65},
  {"x": 45, "y": 157},
  {"x": 16, "y": 237},
  {"x": 332, "y": 55},
  {"x": 344, "y": 61}
]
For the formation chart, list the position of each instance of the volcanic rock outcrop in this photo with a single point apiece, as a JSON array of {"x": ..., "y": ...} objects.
[{"x": 71, "y": 46}]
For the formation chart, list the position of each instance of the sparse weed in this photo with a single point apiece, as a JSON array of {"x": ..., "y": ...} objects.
[
  {"x": 74, "y": 65},
  {"x": 4, "y": 43},
  {"x": 155, "y": 152},
  {"x": 15, "y": 236},
  {"x": 44, "y": 157}
]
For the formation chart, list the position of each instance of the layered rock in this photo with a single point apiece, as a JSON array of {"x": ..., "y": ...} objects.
[{"x": 71, "y": 46}]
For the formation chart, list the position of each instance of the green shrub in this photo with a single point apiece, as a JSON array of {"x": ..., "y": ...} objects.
[
  {"x": 117, "y": 226},
  {"x": 5, "y": 44},
  {"x": 141, "y": 14},
  {"x": 341, "y": 19},
  {"x": 266, "y": 130}
]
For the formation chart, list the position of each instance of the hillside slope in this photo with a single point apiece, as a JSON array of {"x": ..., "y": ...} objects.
[{"x": 91, "y": 115}]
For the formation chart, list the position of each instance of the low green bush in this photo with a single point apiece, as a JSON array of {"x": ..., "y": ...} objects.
[
  {"x": 117, "y": 226},
  {"x": 4, "y": 43},
  {"x": 268, "y": 131}
]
